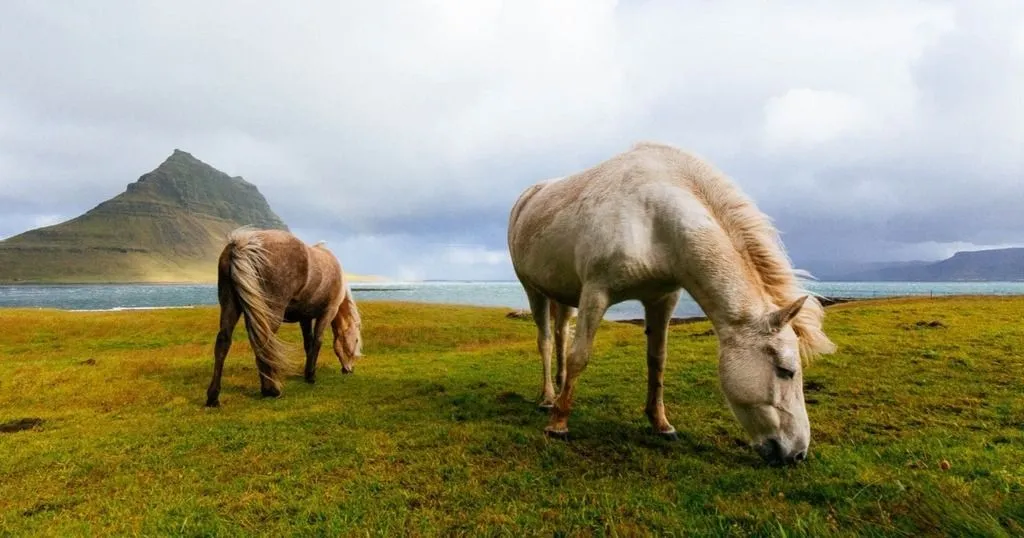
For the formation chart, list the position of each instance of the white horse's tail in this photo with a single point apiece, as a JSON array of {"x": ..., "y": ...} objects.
[{"x": 248, "y": 261}]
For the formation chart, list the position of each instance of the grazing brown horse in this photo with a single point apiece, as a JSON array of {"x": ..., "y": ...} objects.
[{"x": 270, "y": 277}]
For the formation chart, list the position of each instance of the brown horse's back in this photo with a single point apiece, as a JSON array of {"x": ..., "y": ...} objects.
[
  {"x": 288, "y": 261},
  {"x": 322, "y": 292},
  {"x": 303, "y": 281}
]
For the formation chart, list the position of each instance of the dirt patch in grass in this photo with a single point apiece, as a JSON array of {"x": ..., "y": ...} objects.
[
  {"x": 935, "y": 324},
  {"x": 20, "y": 425}
]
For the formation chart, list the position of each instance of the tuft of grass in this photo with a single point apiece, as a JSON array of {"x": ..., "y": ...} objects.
[{"x": 437, "y": 431}]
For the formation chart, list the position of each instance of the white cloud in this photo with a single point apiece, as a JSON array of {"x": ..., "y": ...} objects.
[
  {"x": 802, "y": 118},
  {"x": 475, "y": 255}
]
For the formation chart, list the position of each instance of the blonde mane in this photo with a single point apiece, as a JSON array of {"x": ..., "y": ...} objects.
[{"x": 757, "y": 241}]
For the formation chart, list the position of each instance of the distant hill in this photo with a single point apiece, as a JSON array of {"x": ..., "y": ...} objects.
[
  {"x": 981, "y": 265},
  {"x": 168, "y": 226},
  {"x": 843, "y": 270}
]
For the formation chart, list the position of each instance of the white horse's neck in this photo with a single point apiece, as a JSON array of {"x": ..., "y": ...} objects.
[{"x": 727, "y": 293}]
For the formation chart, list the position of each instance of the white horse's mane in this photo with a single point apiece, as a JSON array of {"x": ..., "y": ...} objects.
[{"x": 757, "y": 241}]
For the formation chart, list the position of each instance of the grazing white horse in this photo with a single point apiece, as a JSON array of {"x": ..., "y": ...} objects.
[{"x": 644, "y": 225}]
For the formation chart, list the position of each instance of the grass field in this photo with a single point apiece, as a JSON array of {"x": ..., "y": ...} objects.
[{"x": 437, "y": 431}]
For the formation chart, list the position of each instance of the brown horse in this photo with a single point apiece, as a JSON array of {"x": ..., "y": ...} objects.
[{"x": 270, "y": 277}]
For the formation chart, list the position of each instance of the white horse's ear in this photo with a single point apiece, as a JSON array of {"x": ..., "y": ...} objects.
[{"x": 779, "y": 318}]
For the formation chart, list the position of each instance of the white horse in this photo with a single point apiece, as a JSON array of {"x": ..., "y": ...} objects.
[{"x": 644, "y": 225}]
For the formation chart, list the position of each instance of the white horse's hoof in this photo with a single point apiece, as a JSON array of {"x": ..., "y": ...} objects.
[
  {"x": 669, "y": 435},
  {"x": 561, "y": 435}
]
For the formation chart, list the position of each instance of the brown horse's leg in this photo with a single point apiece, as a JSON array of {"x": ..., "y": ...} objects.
[
  {"x": 316, "y": 338},
  {"x": 229, "y": 314},
  {"x": 307, "y": 345},
  {"x": 593, "y": 305},
  {"x": 658, "y": 314},
  {"x": 337, "y": 328},
  {"x": 539, "y": 305},
  {"x": 562, "y": 314}
]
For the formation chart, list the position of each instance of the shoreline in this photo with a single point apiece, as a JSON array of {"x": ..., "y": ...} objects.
[
  {"x": 130, "y": 308},
  {"x": 511, "y": 312},
  {"x": 825, "y": 302}
]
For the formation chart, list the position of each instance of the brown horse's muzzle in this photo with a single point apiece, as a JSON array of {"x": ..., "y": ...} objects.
[{"x": 348, "y": 365}]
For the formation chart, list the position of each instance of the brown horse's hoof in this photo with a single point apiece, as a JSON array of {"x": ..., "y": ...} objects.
[
  {"x": 561, "y": 435},
  {"x": 347, "y": 370},
  {"x": 270, "y": 393},
  {"x": 212, "y": 402},
  {"x": 311, "y": 379},
  {"x": 545, "y": 407}
]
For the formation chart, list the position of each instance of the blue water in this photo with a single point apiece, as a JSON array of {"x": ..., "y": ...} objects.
[{"x": 504, "y": 294}]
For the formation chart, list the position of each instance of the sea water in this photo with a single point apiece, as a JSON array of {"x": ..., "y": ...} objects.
[{"x": 499, "y": 294}]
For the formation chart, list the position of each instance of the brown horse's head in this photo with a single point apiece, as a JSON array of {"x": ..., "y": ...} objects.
[{"x": 352, "y": 337}]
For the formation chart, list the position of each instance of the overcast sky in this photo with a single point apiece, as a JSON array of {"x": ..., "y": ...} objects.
[{"x": 402, "y": 132}]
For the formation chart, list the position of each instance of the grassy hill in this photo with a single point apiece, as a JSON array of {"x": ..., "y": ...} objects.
[
  {"x": 916, "y": 430},
  {"x": 168, "y": 226}
]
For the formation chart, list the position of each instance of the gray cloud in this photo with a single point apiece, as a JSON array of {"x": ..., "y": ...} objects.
[{"x": 401, "y": 132}]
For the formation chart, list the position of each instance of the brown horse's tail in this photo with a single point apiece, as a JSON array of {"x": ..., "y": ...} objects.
[{"x": 248, "y": 261}]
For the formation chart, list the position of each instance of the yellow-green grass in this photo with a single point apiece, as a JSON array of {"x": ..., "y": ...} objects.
[{"x": 437, "y": 431}]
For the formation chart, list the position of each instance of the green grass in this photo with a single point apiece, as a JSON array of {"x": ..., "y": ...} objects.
[{"x": 437, "y": 431}]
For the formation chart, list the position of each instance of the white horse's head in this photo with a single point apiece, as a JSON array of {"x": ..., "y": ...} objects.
[{"x": 760, "y": 373}]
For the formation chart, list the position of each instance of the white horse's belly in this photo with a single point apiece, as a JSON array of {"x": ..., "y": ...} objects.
[{"x": 554, "y": 276}]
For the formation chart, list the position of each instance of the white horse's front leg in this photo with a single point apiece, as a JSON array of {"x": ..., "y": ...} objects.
[
  {"x": 657, "y": 315},
  {"x": 593, "y": 305}
]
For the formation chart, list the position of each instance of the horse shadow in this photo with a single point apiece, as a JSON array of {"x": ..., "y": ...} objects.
[{"x": 599, "y": 430}]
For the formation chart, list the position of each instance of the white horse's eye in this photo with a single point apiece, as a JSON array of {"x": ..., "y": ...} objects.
[{"x": 784, "y": 373}]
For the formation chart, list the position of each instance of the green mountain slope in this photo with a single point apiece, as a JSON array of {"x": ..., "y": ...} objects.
[{"x": 168, "y": 226}]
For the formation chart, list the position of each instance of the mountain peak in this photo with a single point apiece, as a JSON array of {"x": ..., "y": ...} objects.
[
  {"x": 179, "y": 155},
  {"x": 183, "y": 163},
  {"x": 191, "y": 185}
]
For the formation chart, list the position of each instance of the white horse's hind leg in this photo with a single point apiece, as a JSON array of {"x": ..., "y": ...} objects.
[
  {"x": 562, "y": 315},
  {"x": 657, "y": 315},
  {"x": 541, "y": 317},
  {"x": 593, "y": 305}
]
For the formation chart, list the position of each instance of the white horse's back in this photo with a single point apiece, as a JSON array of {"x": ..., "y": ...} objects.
[{"x": 622, "y": 220}]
